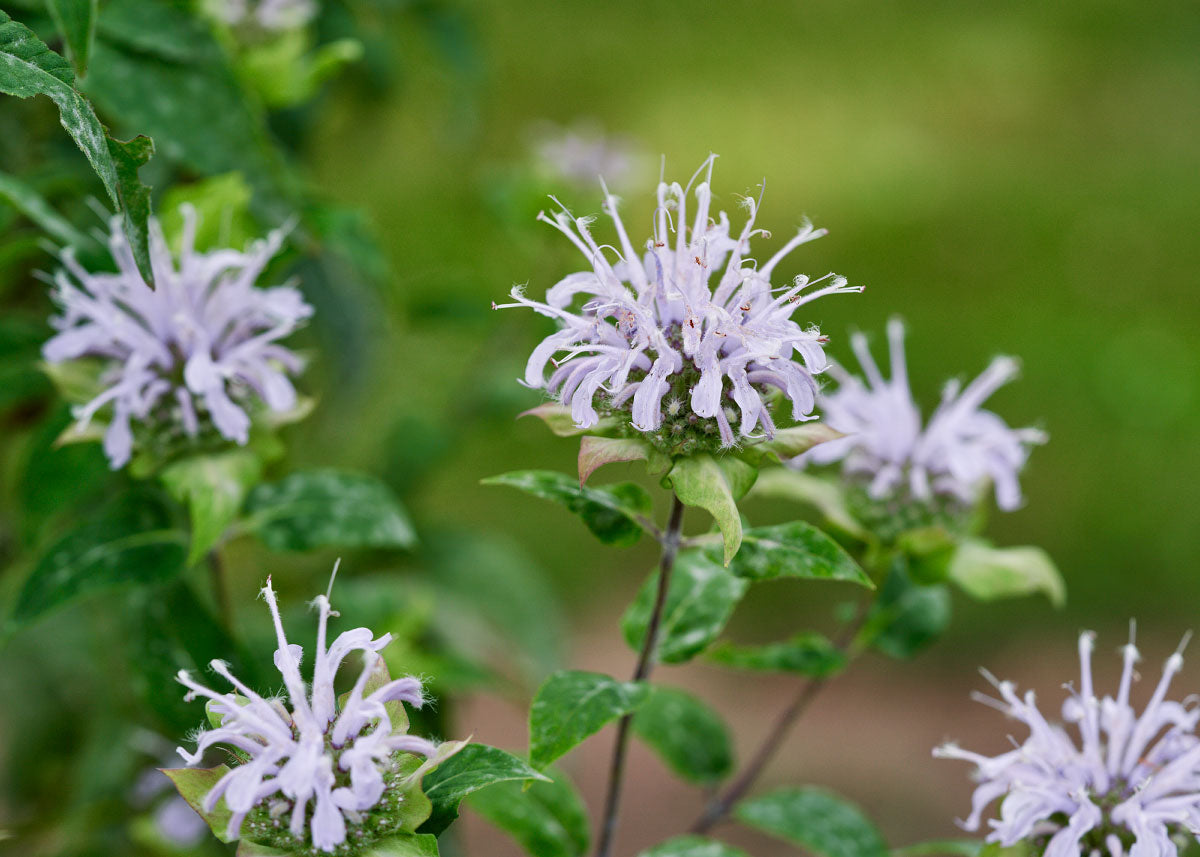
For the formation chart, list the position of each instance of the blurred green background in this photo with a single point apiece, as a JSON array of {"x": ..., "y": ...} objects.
[
  {"x": 1009, "y": 178},
  {"x": 1015, "y": 178}
]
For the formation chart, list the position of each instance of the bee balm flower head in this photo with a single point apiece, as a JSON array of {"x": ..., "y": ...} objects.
[
  {"x": 194, "y": 353},
  {"x": 312, "y": 769},
  {"x": 688, "y": 341},
  {"x": 1129, "y": 783},
  {"x": 961, "y": 449}
]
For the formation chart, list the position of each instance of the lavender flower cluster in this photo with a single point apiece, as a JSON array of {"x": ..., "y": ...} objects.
[
  {"x": 340, "y": 759},
  {"x": 687, "y": 338},
  {"x": 195, "y": 351}
]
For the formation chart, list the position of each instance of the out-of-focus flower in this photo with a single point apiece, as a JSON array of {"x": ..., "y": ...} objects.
[
  {"x": 343, "y": 760},
  {"x": 959, "y": 451},
  {"x": 685, "y": 339},
  {"x": 270, "y": 15},
  {"x": 194, "y": 351},
  {"x": 1130, "y": 784},
  {"x": 583, "y": 153}
]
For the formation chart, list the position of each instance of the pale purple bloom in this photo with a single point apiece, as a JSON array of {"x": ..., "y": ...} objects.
[
  {"x": 200, "y": 345},
  {"x": 1126, "y": 777},
  {"x": 693, "y": 320},
  {"x": 297, "y": 757},
  {"x": 957, "y": 453},
  {"x": 178, "y": 823},
  {"x": 580, "y": 155}
]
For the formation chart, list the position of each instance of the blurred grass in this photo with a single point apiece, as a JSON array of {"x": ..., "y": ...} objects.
[{"x": 1019, "y": 179}]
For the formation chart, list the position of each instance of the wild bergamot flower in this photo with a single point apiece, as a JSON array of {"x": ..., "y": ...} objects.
[
  {"x": 315, "y": 773},
  {"x": 960, "y": 451},
  {"x": 687, "y": 339},
  {"x": 194, "y": 353},
  {"x": 1129, "y": 785}
]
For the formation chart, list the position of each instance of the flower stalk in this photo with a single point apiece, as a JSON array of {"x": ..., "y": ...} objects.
[{"x": 670, "y": 548}]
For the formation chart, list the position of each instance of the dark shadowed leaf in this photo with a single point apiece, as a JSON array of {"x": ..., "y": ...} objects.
[
  {"x": 76, "y": 21},
  {"x": 700, "y": 600},
  {"x": 472, "y": 768},
  {"x": 573, "y": 705},
  {"x": 547, "y": 818},
  {"x": 31, "y": 204},
  {"x": 611, "y": 512},
  {"x": 906, "y": 617},
  {"x": 317, "y": 508},
  {"x": 689, "y": 736},
  {"x": 132, "y": 542},
  {"x": 816, "y": 820}
]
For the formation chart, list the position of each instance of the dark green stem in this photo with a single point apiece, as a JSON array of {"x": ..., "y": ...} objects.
[{"x": 670, "y": 548}]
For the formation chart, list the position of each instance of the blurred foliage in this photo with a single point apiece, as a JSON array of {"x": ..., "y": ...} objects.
[{"x": 1020, "y": 179}]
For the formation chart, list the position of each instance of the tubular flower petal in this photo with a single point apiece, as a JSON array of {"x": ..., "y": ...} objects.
[
  {"x": 319, "y": 763},
  {"x": 203, "y": 342},
  {"x": 959, "y": 451},
  {"x": 687, "y": 339},
  {"x": 1128, "y": 782}
]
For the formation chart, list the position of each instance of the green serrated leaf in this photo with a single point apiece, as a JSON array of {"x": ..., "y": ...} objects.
[
  {"x": 987, "y": 572},
  {"x": 193, "y": 784},
  {"x": 318, "y": 508},
  {"x": 29, "y": 68},
  {"x": 906, "y": 617},
  {"x": 806, "y": 654},
  {"x": 715, "y": 486},
  {"x": 693, "y": 846},
  {"x": 128, "y": 157},
  {"x": 816, "y": 820},
  {"x": 689, "y": 736},
  {"x": 700, "y": 599},
  {"x": 213, "y": 488},
  {"x": 614, "y": 513},
  {"x": 76, "y": 22},
  {"x": 547, "y": 817},
  {"x": 795, "y": 550},
  {"x": 133, "y": 542},
  {"x": 572, "y": 705},
  {"x": 595, "y": 452},
  {"x": 559, "y": 420},
  {"x": 475, "y": 767}
]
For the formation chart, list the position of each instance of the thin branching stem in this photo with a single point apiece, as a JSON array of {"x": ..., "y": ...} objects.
[
  {"x": 670, "y": 548},
  {"x": 718, "y": 808}
]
